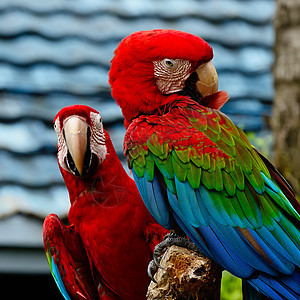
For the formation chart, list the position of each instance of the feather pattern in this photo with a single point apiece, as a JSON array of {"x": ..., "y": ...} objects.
[
  {"x": 67, "y": 260},
  {"x": 55, "y": 273},
  {"x": 229, "y": 199}
]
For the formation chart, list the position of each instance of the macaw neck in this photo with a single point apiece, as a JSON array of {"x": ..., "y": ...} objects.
[
  {"x": 149, "y": 106},
  {"x": 105, "y": 187}
]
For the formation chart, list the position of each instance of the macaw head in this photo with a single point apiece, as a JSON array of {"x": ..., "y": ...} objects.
[
  {"x": 82, "y": 141},
  {"x": 152, "y": 67}
]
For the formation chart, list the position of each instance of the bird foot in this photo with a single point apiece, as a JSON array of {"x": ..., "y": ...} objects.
[
  {"x": 169, "y": 240},
  {"x": 152, "y": 269}
]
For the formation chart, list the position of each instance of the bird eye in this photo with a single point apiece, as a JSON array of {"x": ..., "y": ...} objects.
[
  {"x": 169, "y": 62},
  {"x": 100, "y": 121},
  {"x": 56, "y": 125}
]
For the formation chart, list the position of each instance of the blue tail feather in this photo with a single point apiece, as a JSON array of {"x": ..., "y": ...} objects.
[
  {"x": 232, "y": 239},
  {"x": 285, "y": 287},
  {"x": 279, "y": 240},
  {"x": 229, "y": 259},
  {"x": 271, "y": 256},
  {"x": 251, "y": 293}
]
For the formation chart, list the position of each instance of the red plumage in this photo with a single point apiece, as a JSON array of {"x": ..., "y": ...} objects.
[
  {"x": 131, "y": 78},
  {"x": 107, "y": 214}
]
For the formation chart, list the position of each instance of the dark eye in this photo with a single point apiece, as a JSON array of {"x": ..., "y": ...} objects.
[{"x": 169, "y": 62}]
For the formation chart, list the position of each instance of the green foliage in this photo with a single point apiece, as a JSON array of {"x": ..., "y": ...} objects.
[
  {"x": 231, "y": 287},
  {"x": 262, "y": 142}
]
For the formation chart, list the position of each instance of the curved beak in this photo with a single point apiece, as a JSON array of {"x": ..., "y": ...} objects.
[
  {"x": 76, "y": 136},
  {"x": 207, "y": 83}
]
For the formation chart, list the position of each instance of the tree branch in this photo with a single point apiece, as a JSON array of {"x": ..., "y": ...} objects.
[{"x": 184, "y": 274}]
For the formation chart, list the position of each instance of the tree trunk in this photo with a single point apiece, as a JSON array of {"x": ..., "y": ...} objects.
[
  {"x": 286, "y": 108},
  {"x": 184, "y": 274}
]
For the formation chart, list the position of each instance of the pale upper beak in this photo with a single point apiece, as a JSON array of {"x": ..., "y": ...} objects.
[
  {"x": 76, "y": 135},
  {"x": 207, "y": 83}
]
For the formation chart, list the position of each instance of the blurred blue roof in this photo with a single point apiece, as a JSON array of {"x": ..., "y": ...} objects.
[{"x": 56, "y": 53}]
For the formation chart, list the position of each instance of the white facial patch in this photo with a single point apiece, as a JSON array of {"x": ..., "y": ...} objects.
[
  {"x": 171, "y": 74},
  {"x": 97, "y": 139},
  {"x": 62, "y": 149}
]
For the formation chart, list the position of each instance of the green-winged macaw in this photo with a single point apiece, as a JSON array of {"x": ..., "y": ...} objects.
[
  {"x": 105, "y": 251},
  {"x": 196, "y": 170}
]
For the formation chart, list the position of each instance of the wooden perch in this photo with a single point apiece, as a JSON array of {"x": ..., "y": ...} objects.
[{"x": 184, "y": 274}]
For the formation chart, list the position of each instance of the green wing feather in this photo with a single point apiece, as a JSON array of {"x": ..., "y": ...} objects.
[
  {"x": 227, "y": 197},
  {"x": 221, "y": 159}
]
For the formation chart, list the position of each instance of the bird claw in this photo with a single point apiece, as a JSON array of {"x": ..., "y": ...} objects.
[
  {"x": 152, "y": 268},
  {"x": 154, "y": 264},
  {"x": 169, "y": 240}
]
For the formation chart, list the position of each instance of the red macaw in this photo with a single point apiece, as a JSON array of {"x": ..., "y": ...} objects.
[
  {"x": 195, "y": 169},
  {"x": 105, "y": 251}
]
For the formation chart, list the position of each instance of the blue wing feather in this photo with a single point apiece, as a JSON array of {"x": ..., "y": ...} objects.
[
  {"x": 214, "y": 230},
  {"x": 224, "y": 255},
  {"x": 271, "y": 256},
  {"x": 210, "y": 241},
  {"x": 255, "y": 229},
  {"x": 293, "y": 282},
  {"x": 212, "y": 209},
  {"x": 234, "y": 241},
  {"x": 202, "y": 215},
  {"x": 264, "y": 288},
  {"x": 58, "y": 280},
  {"x": 188, "y": 228},
  {"x": 285, "y": 287},
  {"x": 270, "y": 183},
  {"x": 153, "y": 199},
  {"x": 279, "y": 240},
  {"x": 188, "y": 204}
]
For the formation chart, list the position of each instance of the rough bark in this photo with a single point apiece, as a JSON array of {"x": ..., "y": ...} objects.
[
  {"x": 286, "y": 108},
  {"x": 184, "y": 274}
]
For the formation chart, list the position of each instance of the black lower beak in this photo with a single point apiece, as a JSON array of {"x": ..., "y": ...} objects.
[
  {"x": 72, "y": 166},
  {"x": 190, "y": 88}
]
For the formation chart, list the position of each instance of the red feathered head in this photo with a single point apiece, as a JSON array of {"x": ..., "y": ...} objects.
[
  {"x": 151, "y": 66},
  {"x": 82, "y": 140},
  {"x": 158, "y": 44}
]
